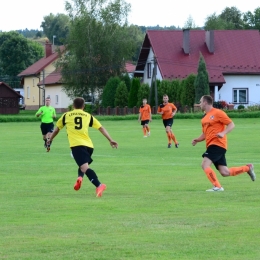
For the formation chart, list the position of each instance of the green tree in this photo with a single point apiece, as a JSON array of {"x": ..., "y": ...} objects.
[
  {"x": 143, "y": 92},
  {"x": 56, "y": 25},
  {"x": 215, "y": 22},
  {"x": 233, "y": 17},
  {"x": 189, "y": 91},
  {"x": 125, "y": 77},
  {"x": 98, "y": 45},
  {"x": 175, "y": 85},
  {"x": 152, "y": 92},
  {"x": 17, "y": 53},
  {"x": 121, "y": 96},
  {"x": 252, "y": 20},
  {"x": 190, "y": 24},
  {"x": 108, "y": 96},
  {"x": 202, "y": 81},
  {"x": 133, "y": 95}
]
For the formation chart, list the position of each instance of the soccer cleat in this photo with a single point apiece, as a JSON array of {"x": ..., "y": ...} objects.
[
  {"x": 177, "y": 145},
  {"x": 251, "y": 172},
  {"x": 148, "y": 134},
  {"x": 77, "y": 185},
  {"x": 100, "y": 189},
  {"x": 169, "y": 145},
  {"x": 216, "y": 189},
  {"x": 145, "y": 135}
]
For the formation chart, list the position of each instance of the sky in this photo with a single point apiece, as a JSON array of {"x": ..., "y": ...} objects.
[{"x": 22, "y": 14}]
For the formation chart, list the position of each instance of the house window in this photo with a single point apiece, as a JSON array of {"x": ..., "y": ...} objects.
[
  {"x": 149, "y": 71},
  {"x": 240, "y": 95},
  {"x": 57, "y": 99},
  {"x": 28, "y": 92}
]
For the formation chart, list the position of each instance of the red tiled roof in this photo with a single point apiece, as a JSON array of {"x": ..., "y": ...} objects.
[
  {"x": 38, "y": 66},
  {"x": 55, "y": 76},
  {"x": 51, "y": 79},
  {"x": 2, "y": 84},
  {"x": 130, "y": 68},
  {"x": 235, "y": 52}
]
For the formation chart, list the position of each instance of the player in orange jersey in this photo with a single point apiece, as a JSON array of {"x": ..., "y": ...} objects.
[
  {"x": 215, "y": 127},
  {"x": 168, "y": 111},
  {"x": 145, "y": 116}
]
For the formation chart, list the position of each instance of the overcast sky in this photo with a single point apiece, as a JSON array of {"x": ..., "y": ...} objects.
[{"x": 22, "y": 14}]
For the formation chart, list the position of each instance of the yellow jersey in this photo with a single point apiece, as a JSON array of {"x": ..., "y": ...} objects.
[{"x": 77, "y": 124}]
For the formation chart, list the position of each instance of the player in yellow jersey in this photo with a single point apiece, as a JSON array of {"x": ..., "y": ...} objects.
[
  {"x": 47, "y": 114},
  {"x": 77, "y": 123},
  {"x": 145, "y": 116}
]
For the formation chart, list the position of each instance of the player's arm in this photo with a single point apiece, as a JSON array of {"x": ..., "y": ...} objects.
[
  {"x": 54, "y": 133},
  {"x": 174, "y": 110},
  {"x": 113, "y": 143},
  {"x": 39, "y": 112},
  {"x": 198, "y": 139},
  {"x": 228, "y": 129},
  {"x": 159, "y": 110},
  {"x": 139, "y": 117}
]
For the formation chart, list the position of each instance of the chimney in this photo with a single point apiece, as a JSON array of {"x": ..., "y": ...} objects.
[
  {"x": 210, "y": 41},
  {"x": 48, "y": 49},
  {"x": 186, "y": 41}
]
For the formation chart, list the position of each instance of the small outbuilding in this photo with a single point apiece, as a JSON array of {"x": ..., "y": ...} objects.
[{"x": 9, "y": 100}]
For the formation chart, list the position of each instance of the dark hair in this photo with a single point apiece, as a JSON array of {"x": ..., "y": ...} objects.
[
  {"x": 208, "y": 99},
  {"x": 78, "y": 103}
]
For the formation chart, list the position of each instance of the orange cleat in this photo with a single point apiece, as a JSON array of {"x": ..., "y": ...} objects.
[
  {"x": 100, "y": 189},
  {"x": 78, "y": 183}
]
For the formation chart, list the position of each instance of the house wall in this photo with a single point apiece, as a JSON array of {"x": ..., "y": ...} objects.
[
  {"x": 33, "y": 95},
  {"x": 250, "y": 82},
  {"x": 150, "y": 59},
  {"x": 59, "y": 99}
]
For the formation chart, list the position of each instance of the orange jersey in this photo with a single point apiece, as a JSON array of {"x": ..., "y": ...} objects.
[
  {"x": 213, "y": 122},
  {"x": 145, "y": 112},
  {"x": 167, "y": 110}
]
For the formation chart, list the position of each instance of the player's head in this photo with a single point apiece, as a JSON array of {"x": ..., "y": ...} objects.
[
  {"x": 205, "y": 101},
  {"x": 144, "y": 101},
  {"x": 47, "y": 101},
  {"x": 165, "y": 98},
  {"x": 78, "y": 103}
]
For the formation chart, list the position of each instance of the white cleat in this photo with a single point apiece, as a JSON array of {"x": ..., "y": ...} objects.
[
  {"x": 251, "y": 172},
  {"x": 216, "y": 189}
]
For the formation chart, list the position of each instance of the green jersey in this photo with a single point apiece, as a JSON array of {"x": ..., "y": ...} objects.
[{"x": 47, "y": 114}]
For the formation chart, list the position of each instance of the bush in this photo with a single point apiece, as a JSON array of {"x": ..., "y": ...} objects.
[{"x": 241, "y": 107}]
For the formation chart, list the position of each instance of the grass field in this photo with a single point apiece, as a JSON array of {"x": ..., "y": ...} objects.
[{"x": 155, "y": 205}]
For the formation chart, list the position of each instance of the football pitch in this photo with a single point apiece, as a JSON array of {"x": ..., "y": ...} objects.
[{"x": 155, "y": 206}]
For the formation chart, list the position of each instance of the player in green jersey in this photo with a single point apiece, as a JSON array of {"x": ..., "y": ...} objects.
[{"x": 47, "y": 114}]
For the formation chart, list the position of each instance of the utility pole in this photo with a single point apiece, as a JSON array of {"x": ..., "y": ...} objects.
[{"x": 155, "y": 85}]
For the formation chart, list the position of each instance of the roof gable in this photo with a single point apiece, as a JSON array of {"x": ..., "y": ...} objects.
[
  {"x": 38, "y": 66},
  {"x": 9, "y": 92}
]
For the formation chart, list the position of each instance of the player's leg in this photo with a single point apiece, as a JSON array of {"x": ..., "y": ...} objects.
[
  {"x": 234, "y": 171},
  {"x": 50, "y": 128},
  {"x": 143, "y": 128},
  {"x": 213, "y": 155},
  {"x": 44, "y": 133},
  {"x": 147, "y": 128}
]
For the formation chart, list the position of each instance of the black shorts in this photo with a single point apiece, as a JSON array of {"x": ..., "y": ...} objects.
[
  {"x": 144, "y": 122},
  {"x": 216, "y": 154},
  {"x": 47, "y": 128},
  {"x": 82, "y": 154},
  {"x": 168, "y": 122}
]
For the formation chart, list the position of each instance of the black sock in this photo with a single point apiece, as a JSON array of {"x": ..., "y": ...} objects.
[
  {"x": 92, "y": 177},
  {"x": 80, "y": 173}
]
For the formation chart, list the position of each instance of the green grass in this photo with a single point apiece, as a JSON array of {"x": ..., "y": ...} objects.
[{"x": 155, "y": 205}]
